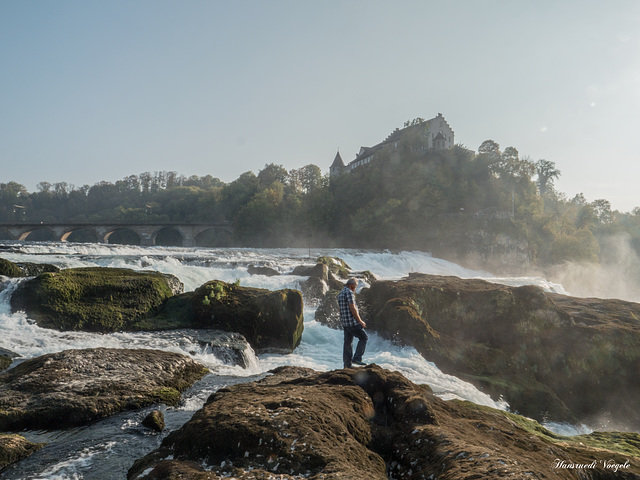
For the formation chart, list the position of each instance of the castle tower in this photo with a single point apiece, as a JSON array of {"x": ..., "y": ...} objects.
[{"x": 337, "y": 167}]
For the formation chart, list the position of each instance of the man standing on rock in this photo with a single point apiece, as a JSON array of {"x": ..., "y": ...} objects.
[{"x": 352, "y": 325}]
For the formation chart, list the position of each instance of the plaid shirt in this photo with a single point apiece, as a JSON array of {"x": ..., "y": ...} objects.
[{"x": 345, "y": 297}]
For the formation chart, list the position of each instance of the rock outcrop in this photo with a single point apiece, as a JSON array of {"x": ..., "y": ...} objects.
[
  {"x": 262, "y": 270},
  {"x": 14, "y": 448},
  {"x": 154, "y": 421},
  {"x": 92, "y": 299},
  {"x": 230, "y": 348},
  {"x": 329, "y": 274},
  {"x": 24, "y": 269},
  {"x": 6, "y": 358},
  {"x": 550, "y": 356},
  {"x": 112, "y": 299},
  {"x": 10, "y": 269},
  {"x": 371, "y": 424},
  {"x": 32, "y": 269},
  {"x": 269, "y": 320},
  {"x": 76, "y": 387}
]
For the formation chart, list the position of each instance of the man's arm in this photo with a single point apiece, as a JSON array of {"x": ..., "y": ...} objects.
[{"x": 356, "y": 314}]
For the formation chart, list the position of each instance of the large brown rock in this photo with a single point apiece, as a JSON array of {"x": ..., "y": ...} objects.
[
  {"x": 270, "y": 320},
  {"x": 551, "y": 356},
  {"x": 370, "y": 424},
  {"x": 76, "y": 387}
]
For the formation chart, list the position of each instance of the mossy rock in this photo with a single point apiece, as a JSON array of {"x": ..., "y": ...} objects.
[
  {"x": 92, "y": 299},
  {"x": 625, "y": 443},
  {"x": 4, "y": 362},
  {"x": 269, "y": 320},
  {"x": 336, "y": 266},
  {"x": 154, "y": 421},
  {"x": 175, "y": 313},
  {"x": 10, "y": 269},
  {"x": 78, "y": 387},
  {"x": 14, "y": 448},
  {"x": 6, "y": 358},
  {"x": 33, "y": 269},
  {"x": 549, "y": 356}
]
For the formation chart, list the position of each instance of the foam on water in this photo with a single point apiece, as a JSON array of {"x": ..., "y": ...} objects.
[
  {"x": 73, "y": 468},
  {"x": 321, "y": 347}
]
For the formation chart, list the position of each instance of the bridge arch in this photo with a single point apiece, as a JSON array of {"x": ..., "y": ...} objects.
[
  {"x": 81, "y": 235},
  {"x": 214, "y": 237},
  {"x": 37, "y": 234},
  {"x": 122, "y": 236},
  {"x": 169, "y": 236}
]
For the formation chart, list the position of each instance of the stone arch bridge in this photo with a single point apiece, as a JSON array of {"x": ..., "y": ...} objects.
[{"x": 175, "y": 234}]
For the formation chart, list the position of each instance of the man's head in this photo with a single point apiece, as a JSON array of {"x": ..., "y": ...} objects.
[{"x": 352, "y": 283}]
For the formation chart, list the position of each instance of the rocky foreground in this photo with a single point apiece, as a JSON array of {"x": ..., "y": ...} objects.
[
  {"x": 550, "y": 356},
  {"x": 372, "y": 424}
]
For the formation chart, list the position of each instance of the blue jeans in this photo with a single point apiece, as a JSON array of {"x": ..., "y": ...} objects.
[{"x": 347, "y": 350}]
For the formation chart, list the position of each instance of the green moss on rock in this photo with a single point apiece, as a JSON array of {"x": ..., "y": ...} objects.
[
  {"x": 93, "y": 299},
  {"x": 269, "y": 320},
  {"x": 10, "y": 269},
  {"x": 337, "y": 266},
  {"x": 548, "y": 355},
  {"x": 625, "y": 443},
  {"x": 14, "y": 448},
  {"x": 167, "y": 395}
]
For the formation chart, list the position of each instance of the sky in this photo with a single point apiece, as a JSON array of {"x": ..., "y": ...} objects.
[{"x": 97, "y": 91}]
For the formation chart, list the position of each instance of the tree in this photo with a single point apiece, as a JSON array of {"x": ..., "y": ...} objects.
[
  {"x": 310, "y": 177},
  {"x": 579, "y": 199},
  {"x": 60, "y": 189},
  {"x": 43, "y": 187},
  {"x": 415, "y": 121},
  {"x": 272, "y": 173},
  {"x": 238, "y": 193},
  {"x": 490, "y": 148},
  {"x": 603, "y": 211},
  {"x": 546, "y": 171},
  {"x": 259, "y": 221},
  {"x": 11, "y": 193}
]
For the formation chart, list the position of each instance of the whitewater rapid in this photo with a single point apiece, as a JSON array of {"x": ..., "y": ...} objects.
[
  {"x": 116, "y": 442},
  {"x": 321, "y": 347}
]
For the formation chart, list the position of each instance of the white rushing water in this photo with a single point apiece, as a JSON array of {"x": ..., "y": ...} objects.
[{"x": 320, "y": 349}]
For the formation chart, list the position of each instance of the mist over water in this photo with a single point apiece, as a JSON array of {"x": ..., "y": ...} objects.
[
  {"x": 616, "y": 276},
  {"x": 100, "y": 447}
]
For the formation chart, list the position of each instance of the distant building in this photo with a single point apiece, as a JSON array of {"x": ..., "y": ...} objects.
[
  {"x": 337, "y": 167},
  {"x": 434, "y": 134}
]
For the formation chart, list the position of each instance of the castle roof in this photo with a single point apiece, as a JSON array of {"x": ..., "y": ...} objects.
[{"x": 337, "y": 162}]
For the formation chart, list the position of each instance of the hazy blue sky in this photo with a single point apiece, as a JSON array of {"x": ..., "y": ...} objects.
[{"x": 99, "y": 90}]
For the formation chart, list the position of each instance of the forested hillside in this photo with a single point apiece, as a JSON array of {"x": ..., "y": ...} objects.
[{"x": 491, "y": 205}]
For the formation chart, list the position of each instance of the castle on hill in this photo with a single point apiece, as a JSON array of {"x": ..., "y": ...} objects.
[{"x": 435, "y": 134}]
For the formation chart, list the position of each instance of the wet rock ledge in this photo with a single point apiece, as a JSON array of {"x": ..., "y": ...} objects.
[
  {"x": 551, "y": 357},
  {"x": 76, "y": 387},
  {"x": 369, "y": 424}
]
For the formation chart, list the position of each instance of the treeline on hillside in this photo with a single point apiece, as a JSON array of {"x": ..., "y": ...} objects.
[{"x": 449, "y": 202}]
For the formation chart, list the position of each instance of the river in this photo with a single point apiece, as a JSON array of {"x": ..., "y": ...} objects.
[{"x": 106, "y": 449}]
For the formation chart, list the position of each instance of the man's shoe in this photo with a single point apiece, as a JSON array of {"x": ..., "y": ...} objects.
[{"x": 359, "y": 362}]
